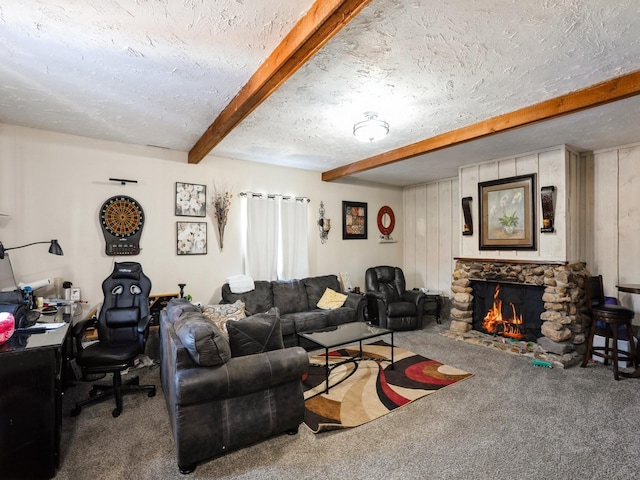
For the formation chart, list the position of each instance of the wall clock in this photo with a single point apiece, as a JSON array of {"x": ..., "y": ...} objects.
[
  {"x": 121, "y": 219},
  {"x": 386, "y": 221}
]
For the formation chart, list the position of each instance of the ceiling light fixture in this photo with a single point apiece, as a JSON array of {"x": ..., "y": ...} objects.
[{"x": 371, "y": 129}]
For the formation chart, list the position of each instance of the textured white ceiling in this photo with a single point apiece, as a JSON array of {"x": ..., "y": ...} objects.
[{"x": 159, "y": 72}]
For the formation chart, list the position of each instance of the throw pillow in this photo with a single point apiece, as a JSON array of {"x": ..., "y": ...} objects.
[
  {"x": 256, "y": 334},
  {"x": 202, "y": 339},
  {"x": 331, "y": 300},
  {"x": 220, "y": 314}
]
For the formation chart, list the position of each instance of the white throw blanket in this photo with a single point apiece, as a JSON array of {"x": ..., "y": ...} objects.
[{"x": 240, "y": 283}]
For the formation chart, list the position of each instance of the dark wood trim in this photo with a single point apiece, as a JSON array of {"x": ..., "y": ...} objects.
[
  {"x": 629, "y": 288},
  {"x": 324, "y": 19},
  {"x": 596, "y": 95},
  {"x": 503, "y": 260}
]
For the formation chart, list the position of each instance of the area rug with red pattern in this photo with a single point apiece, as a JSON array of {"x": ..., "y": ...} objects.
[{"x": 369, "y": 388}]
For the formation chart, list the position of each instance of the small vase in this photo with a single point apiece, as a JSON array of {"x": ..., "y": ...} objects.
[{"x": 508, "y": 229}]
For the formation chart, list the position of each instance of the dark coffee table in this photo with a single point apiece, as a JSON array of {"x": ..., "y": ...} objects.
[{"x": 332, "y": 337}]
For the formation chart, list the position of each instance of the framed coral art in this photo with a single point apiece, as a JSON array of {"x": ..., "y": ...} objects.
[
  {"x": 191, "y": 200},
  {"x": 191, "y": 238},
  {"x": 507, "y": 213},
  {"x": 354, "y": 220}
]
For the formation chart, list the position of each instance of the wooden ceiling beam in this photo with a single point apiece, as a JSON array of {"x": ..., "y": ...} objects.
[
  {"x": 596, "y": 95},
  {"x": 324, "y": 19}
]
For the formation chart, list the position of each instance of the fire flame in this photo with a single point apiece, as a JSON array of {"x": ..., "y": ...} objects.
[{"x": 507, "y": 327}]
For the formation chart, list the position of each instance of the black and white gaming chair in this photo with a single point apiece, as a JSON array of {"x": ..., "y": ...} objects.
[{"x": 123, "y": 327}]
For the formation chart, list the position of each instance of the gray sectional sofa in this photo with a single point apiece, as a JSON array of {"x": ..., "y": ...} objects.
[
  {"x": 297, "y": 302},
  {"x": 222, "y": 394},
  {"x": 226, "y": 391}
]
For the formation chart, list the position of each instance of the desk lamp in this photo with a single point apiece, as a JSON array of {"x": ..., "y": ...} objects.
[{"x": 54, "y": 249}]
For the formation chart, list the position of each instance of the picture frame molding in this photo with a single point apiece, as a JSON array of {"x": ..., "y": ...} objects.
[
  {"x": 494, "y": 234},
  {"x": 348, "y": 218}
]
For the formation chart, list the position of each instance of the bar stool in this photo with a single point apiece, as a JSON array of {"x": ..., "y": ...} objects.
[{"x": 612, "y": 317}]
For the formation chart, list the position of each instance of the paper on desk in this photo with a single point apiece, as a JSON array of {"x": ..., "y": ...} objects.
[{"x": 48, "y": 326}]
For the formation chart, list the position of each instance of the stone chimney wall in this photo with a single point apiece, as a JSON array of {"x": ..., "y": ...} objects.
[{"x": 563, "y": 321}]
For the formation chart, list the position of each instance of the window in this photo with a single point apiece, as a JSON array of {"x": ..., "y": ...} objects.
[{"x": 276, "y": 243}]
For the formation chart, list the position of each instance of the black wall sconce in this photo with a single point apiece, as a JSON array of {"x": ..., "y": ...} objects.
[
  {"x": 467, "y": 229},
  {"x": 324, "y": 225},
  {"x": 546, "y": 196}
]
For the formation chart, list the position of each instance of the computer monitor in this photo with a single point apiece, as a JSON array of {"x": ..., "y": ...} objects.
[{"x": 7, "y": 279}]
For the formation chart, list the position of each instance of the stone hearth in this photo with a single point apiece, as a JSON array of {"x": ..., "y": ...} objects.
[{"x": 563, "y": 321}]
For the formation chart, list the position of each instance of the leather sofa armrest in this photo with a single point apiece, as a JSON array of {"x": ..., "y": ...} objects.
[
  {"x": 414, "y": 296},
  {"x": 241, "y": 376},
  {"x": 358, "y": 302},
  {"x": 377, "y": 309}
]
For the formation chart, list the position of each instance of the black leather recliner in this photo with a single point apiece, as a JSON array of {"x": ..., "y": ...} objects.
[
  {"x": 123, "y": 327},
  {"x": 389, "y": 304}
]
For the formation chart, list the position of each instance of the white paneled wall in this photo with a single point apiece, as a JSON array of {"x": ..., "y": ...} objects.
[
  {"x": 432, "y": 230},
  {"x": 550, "y": 169},
  {"x": 615, "y": 251},
  {"x": 433, "y": 216}
]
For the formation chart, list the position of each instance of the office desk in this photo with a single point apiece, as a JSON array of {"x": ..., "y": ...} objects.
[{"x": 31, "y": 380}]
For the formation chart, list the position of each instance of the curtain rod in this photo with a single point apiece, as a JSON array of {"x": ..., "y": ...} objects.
[{"x": 274, "y": 195}]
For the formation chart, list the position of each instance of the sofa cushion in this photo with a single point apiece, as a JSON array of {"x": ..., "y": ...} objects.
[
  {"x": 341, "y": 315},
  {"x": 316, "y": 286},
  {"x": 202, "y": 339},
  {"x": 220, "y": 314},
  {"x": 289, "y": 296},
  {"x": 315, "y": 320},
  {"x": 309, "y": 321},
  {"x": 331, "y": 300},
  {"x": 255, "y": 334},
  {"x": 257, "y": 300},
  {"x": 177, "y": 306}
]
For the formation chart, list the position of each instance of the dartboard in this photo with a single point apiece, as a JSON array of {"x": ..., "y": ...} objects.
[{"x": 121, "y": 219}]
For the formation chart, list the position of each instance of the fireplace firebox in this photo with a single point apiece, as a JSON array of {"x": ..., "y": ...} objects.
[{"x": 509, "y": 310}]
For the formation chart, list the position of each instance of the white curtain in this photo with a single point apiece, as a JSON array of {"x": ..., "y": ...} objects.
[
  {"x": 276, "y": 238},
  {"x": 294, "y": 253},
  {"x": 262, "y": 238}
]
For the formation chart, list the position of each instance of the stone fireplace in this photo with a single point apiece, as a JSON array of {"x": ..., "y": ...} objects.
[{"x": 562, "y": 323}]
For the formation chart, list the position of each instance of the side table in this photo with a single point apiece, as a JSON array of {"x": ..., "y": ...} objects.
[{"x": 433, "y": 303}]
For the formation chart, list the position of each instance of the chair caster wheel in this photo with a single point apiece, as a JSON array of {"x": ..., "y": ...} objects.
[
  {"x": 93, "y": 392},
  {"x": 187, "y": 469},
  {"x": 75, "y": 411},
  {"x": 293, "y": 431},
  {"x": 152, "y": 393},
  {"x": 116, "y": 412}
]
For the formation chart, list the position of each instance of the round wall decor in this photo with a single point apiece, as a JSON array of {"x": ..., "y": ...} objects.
[
  {"x": 121, "y": 219},
  {"x": 386, "y": 220}
]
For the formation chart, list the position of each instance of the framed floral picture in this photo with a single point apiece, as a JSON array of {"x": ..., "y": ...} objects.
[
  {"x": 191, "y": 200},
  {"x": 354, "y": 220},
  {"x": 507, "y": 213},
  {"x": 191, "y": 238}
]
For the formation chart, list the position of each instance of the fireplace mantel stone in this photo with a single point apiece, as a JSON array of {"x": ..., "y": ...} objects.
[{"x": 563, "y": 321}]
